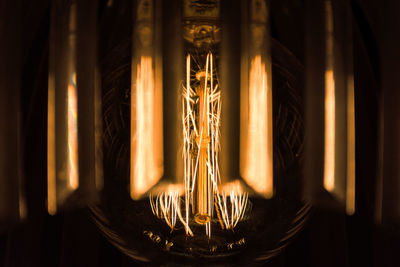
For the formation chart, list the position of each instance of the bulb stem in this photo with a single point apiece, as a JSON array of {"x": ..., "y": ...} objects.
[{"x": 203, "y": 184}]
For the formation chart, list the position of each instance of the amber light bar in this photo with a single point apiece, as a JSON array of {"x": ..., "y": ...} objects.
[
  {"x": 74, "y": 154},
  {"x": 329, "y": 105}
]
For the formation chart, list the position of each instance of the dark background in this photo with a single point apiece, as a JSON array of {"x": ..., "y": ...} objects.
[{"x": 330, "y": 238}]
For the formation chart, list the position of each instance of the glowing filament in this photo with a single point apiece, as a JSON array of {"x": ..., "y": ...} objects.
[
  {"x": 230, "y": 208},
  {"x": 201, "y": 123},
  {"x": 201, "y": 128}
]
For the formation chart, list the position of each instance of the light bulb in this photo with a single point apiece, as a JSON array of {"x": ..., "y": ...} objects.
[{"x": 206, "y": 180}]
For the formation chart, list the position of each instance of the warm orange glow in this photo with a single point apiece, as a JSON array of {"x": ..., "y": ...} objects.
[
  {"x": 329, "y": 164},
  {"x": 351, "y": 147},
  {"x": 329, "y": 157},
  {"x": 164, "y": 187},
  {"x": 200, "y": 123},
  {"x": 258, "y": 168},
  {"x": 146, "y": 169},
  {"x": 51, "y": 150},
  {"x": 230, "y": 205},
  {"x": 235, "y": 186},
  {"x": 201, "y": 126},
  {"x": 62, "y": 124},
  {"x": 72, "y": 100},
  {"x": 71, "y": 175},
  {"x": 166, "y": 205}
]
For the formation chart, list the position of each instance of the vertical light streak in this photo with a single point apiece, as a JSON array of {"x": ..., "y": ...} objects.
[
  {"x": 51, "y": 149},
  {"x": 206, "y": 109},
  {"x": 351, "y": 153},
  {"x": 187, "y": 143},
  {"x": 329, "y": 157},
  {"x": 72, "y": 137},
  {"x": 329, "y": 160},
  {"x": 208, "y": 115},
  {"x": 62, "y": 180},
  {"x": 213, "y": 125},
  {"x": 207, "y": 90},
  {"x": 144, "y": 170},
  {"x": 210, "y": 158},
  {"x": 258, "y": 170}
]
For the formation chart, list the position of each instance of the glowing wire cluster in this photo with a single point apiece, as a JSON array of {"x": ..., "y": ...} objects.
[{"x": 229, "y": 207}]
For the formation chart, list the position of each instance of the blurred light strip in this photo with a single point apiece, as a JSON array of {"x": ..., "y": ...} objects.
[
  {"x": 72, "y": 113},
  {"x": 62, "y": 179},
  {"x": 329, "y": 165},
  {"x": 51, "y": 147},
  {"x": 72, "y": 103},
  {"x": 351, "y": 149},
  {"x": 330, "y": 153},
  {"x": 144, "y": 170},
  {"x": 258, "y": 171},
  {"x": 73, "y": 154},
  {"x": 256, "y": 125},
  {"x": 147, "y": 166}
]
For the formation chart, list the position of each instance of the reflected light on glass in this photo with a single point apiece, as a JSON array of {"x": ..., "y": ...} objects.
[
  {"x": 258, "y": 169},
  {"x": 329, "y": 157},
  {"x": 145, "y": 171},
  {"x": 351, "y": 149},
  {"x": 210, "y": 196},
  {"x": 51, "y": 150},
  {"x": 73, "y": 179},
  {"x": 329, "y": 166}
]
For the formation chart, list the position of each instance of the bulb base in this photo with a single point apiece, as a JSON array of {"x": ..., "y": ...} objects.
[{"x": 202, "y": 218}]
